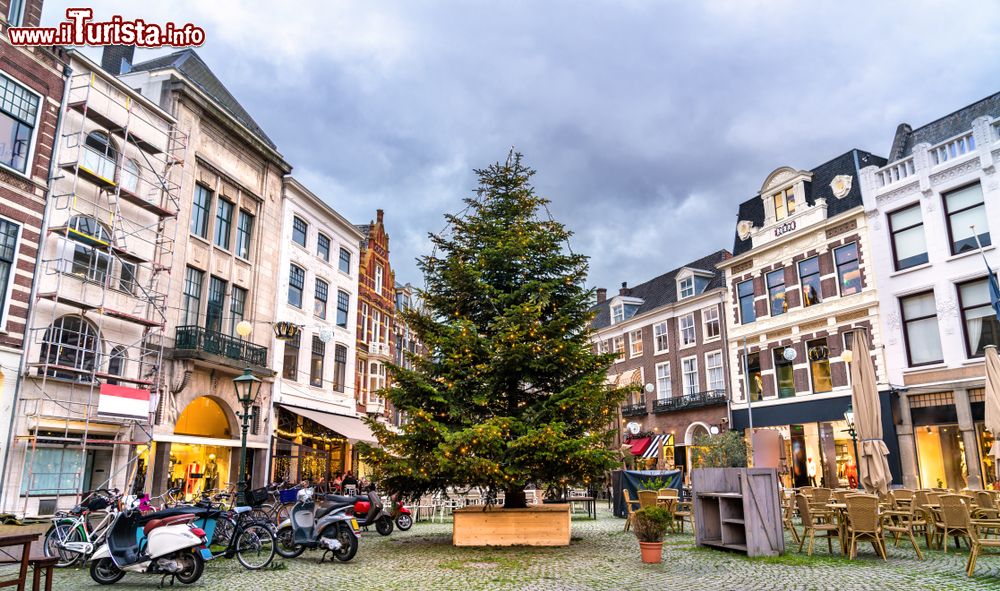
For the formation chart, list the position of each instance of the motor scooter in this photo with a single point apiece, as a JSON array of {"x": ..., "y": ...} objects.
[
  {"x": 369, "y": 511},
  {"x": 170, "y": 547},
  {"x": 309, "y": 526},
  {"x": 402, "y": 515}
]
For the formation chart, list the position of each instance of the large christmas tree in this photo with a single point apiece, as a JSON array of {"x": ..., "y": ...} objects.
[{"x": 511, "y": 392}]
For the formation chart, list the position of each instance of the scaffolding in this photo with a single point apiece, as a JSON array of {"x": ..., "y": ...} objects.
[{"x": 101, "y": 303}]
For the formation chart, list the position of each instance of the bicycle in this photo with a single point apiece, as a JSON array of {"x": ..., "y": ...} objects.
[
  {"x": 71, "y": 537},
  {"x": 276, "y": 512}
]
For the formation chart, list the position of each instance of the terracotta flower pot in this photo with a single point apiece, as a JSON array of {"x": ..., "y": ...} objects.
[{"x": 652, "y": 552}]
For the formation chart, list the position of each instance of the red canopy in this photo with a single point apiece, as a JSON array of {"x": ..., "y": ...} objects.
[{"x": 639, "y": 445}]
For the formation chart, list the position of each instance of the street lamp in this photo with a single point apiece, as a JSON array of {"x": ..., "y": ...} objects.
[
  {"x": 849, "y": 417},
  {"x": 247, "y": 389}
]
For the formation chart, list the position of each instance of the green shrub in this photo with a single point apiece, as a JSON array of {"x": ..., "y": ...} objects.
[
  {"x": 725, "y": 450},
  {"x": 650, "y": 523}
]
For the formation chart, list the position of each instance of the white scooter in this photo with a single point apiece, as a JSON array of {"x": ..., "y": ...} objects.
[{"x": 168, "y": 547}]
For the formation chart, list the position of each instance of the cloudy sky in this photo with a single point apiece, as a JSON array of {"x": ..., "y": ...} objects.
[{"x": 648, "y": 121}]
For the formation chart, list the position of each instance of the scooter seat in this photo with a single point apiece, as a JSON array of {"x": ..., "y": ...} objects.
[
  {"x": 172, "y": 520},
  {"x": 340, "y": 499}
]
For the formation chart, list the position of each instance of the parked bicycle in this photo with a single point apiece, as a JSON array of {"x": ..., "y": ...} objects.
[{"x": 71, "y": 538}]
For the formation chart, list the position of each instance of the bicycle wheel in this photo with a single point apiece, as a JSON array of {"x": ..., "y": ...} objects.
[
  {"x": 255, "y": 546},
  {"x": 224, "y": 528},
  {"x": 57, "y": 535},
  {"x": 261, "y": 514},
  {"x": 282, "y": 513}
]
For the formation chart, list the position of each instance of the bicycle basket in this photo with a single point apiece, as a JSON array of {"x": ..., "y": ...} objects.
[
  {"x": 288, "y": 495},
  {"x": 257, "y": 497}
]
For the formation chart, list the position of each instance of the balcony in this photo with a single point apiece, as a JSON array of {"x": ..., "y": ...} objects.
[
  {"x": 208, "y": 345},
  {"x": 689, "y": 401},
  {"x": 635, "y": 410},
  {"x": 379, "y": 349}
]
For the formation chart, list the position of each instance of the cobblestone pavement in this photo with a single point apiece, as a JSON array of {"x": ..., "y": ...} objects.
[{"x": 600, "y": 557}]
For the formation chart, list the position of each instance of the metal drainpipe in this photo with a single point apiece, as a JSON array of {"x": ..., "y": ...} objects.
[{"x": 67, "y": 74}]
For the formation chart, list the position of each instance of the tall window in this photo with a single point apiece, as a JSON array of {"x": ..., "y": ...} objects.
[
  {"x": 199, "y": 211},
  {"x": 216, "y": 300},
  {"x": 323, "y": 246},
  {"x": 15, "y": 16},
  {"x": 981, "y": 325},
  {"x": 300, "y": 231},
  {"x": 237, "y": 307},
  {"x": 343, "y": 307},
  {"x": 100, "y": 155},
  {"x": 848, "y": 271},
  {"x": 130, "y": 176},
  {"x": 339, "y": 367},
  {"x": 319, "y": 303},
  {"x": 920, "y": 328},
  {"x": 618, "y": 347},
  {"x": 244, "y": 233},
  {"x": 776, "y": 292},
  {"x": 784, "y": 204},
  {"x": 756, "y": 379},
  {"x": 345, "y": 260},
  {"x": 378, "y": 278},
  {"x": 784, "y": 374},
  {"x": 687, "y": 287},
  {"x": 9, "y": 232},
  {"x": 193, "y": 280},
  {"x": 71, "y": 343},
  {"x": 819, "y": 365},
  {"x": 290, "y": 361},
  {"x": 965, "y": 208},
  {"x": 377, "y": 327},
  {"x": 713, "y": 371},
  {"x": 689, "y": 369},
  {"x": 126, "y": 277},
  {"x": 745, "y": 292},
  {"x": 663, "y": 380},
  {"x": 116, "y": 364},
  {"x": 223, "y": 223},
  {"x": 909, "y": 247},
  {"x": 18, "y": 117},
  {"x": 710, "y": 322},
  {"x": 660, "y": 340},
  {"x": 635, "y": 343},
  {"x": 89, "y": 258},
  {"x": 809, "y": 280},
  {"x": 296, "y": 284},
  {"x": 687, "y": 330},
  {"x": 316, "y": 363}
]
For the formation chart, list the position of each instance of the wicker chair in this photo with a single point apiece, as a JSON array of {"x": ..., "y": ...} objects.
[
  {"x": 815, "y": 520},
  {"x": 821, "y": 495},
  {"x": 629, "y": 509},
  {"x": 841, "y": 494},
  {"x": 901, "y": 498},
  {"x": 683, "y": 511},
  {"x": 955, "y": 515},
  {"x": 906, "y": 520},
  {"x": 986, "y": 507},
  {"x": 978, "y": 540},
  {"x": 647, "y": 498},
  {"x": 864, "y": 523},
  {"x": 787, "y": 513}
]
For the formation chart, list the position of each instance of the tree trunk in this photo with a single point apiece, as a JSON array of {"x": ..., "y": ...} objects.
[{"x": 514, "y": 499}]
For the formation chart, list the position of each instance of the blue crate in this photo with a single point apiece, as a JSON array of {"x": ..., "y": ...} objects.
[{"x": 288, "y": 495}]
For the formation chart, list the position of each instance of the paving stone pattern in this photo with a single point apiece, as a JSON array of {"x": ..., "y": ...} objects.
[{"x": 601, "y": 557}]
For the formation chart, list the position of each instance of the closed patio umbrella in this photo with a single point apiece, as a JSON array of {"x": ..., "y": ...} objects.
[
  {"x": 992, "y": 419},
  {"x": 874, "y": 467}
]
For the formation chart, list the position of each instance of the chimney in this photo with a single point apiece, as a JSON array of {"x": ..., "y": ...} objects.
[
  {"x": 378, "y": 215},
  {"x": 117, "y": 59},
  {"x": 624, "y": 290},
  {"x": 602, "y": 295}
]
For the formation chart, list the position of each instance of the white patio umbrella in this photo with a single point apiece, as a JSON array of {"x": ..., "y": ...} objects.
[
  {"x": 992, "y": 418},
  {"x": 873, "y": 464}
]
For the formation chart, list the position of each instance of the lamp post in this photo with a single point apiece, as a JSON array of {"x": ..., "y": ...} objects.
[
  {"x": 247, "y": 389},
  {"x": 849, "y": 417}
]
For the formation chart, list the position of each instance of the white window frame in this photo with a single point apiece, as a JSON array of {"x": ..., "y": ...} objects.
[
  {"x": 379, "y": 278},
  {"x": 633, "y": 341},
  {"x": 660, "y": 394},
  {"x": 618, "y": 346},
  {"x": 684, "y": 285},
  {"x": 5, "y": 312},
  {"x": 681, "y": 329},
  {"x": 704, "y": 324},
  {"x": 656, "y": 338},
  {"x": 617, "y": 313},
  {"x": 708, "y": 371},
  {"x": 685, "y": 374},
  {"x": 34, "y": 130}
]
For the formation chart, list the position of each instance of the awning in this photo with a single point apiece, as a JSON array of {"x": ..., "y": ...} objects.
[
  {"x": 656, "y": 443},
  {"x": 632, "y": 376},
  {"x": 612, "y": 379},
  {"x": 639, "y": 445},
  {"x": 350, "y": 427}
]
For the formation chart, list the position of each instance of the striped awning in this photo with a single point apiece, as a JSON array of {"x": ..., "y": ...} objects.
[
  {"x": 612, "y": 379},
  {"x": 630, "y": 377},
  {"x": 657, "y": 442}
]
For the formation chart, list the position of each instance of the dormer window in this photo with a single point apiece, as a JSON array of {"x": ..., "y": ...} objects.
[
  {"x": 784, "y": 203},
  {"x": 617, "y": 313},
  {"x": 623, "y": 308},
  {"x": 691, "y": 282},
  {"x": 687, "y": 287}
]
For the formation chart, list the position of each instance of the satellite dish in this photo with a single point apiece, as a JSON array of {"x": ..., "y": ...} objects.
[
  {"x": 789, "y": 354},
  {"x": 325, "y": 335}
]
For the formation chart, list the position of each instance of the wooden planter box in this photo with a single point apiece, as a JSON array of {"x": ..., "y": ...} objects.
[{"x": 541, "y": 525}]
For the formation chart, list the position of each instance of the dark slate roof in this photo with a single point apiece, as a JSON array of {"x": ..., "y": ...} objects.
[
  {"x": 661, "y": 291},
  {"x": 849, "y": 163},
  {"x": 194, "y": 69},
  {"x": 946, "y": 127}
]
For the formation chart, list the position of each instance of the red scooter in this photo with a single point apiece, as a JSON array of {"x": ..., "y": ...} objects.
[
  {"x": 404, "y": 519},
  {"x": 368, "y": 509}
]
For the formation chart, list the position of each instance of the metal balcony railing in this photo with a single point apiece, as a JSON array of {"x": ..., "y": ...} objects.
[
  {"x": 197, "y": 338},
  {"x": 696, "y": 400},
  {"x": 634, "y": 410}
]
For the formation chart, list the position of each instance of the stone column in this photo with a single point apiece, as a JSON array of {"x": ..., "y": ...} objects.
[
  {"x": 907, "y": 445},
  {"x": 968, "y": 430}
]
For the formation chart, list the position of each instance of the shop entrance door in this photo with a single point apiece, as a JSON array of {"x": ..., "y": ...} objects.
[
  {"x": 800, "y": 473},
  {"x": 97, "y": 470}
]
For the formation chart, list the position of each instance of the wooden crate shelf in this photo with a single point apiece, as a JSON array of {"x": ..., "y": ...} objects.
[{"x": 737, "y": 509}]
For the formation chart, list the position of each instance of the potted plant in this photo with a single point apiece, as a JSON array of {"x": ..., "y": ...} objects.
[{"x": 650, "y": 524}]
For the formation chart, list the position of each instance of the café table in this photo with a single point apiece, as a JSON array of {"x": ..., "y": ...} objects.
[
  {"x": 840, "y": 510},
  {"x": 589, "y": 503},
  {"x": 15, "y": 549}
]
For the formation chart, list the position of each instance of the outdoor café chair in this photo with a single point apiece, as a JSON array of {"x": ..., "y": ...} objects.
[
  {"x": 815, "y": 520},
  {"x": 955, "y": 515},
  {"x": 787, "y": 513},
  {"x": 629, "y": 509},
  {"x": 901, "y": 498},
  {"x": 978, "y": 540},
  {"x": 906, "y": 520},
  {"x": 986, "y": 507},
  {"x": 863, "y": 523},
  {"x": 647, "y": 498}
]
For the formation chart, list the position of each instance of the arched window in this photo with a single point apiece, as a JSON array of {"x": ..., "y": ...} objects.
[
  {"x": 85, "y": 253},
  {"x": 100, "y": 155},
  {"x": 71, "y": 343},
  {"x": 130, "y": 176},
  {"x": 116, "y": 363}
]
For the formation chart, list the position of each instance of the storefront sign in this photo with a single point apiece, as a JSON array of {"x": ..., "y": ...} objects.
[
  {"x": 784, "y": 228},
  {"x": 125, "y": 402}
]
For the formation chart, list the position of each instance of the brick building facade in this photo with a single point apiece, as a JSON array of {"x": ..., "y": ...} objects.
[{"x": 376, "y": 314}]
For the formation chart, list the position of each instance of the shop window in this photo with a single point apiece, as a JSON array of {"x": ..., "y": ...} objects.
[
  {"x": 909, "y": 246},
  {"x": 756, "y": 379},
  {"x": 776, "y": 292},
  {"x": 71, "y": 343},
  {"x": 809, "y": 280},
  {"x": 290, "y": 361},
  {"x": 660, "y": 340},
  {"x": 978, "y": 317},
  {"x": 53, "y": 471},
  {"x": 920, "y": 329},
  {"x": 784, "y": 374},
  {"x": 965, "y": 208},
  {"x": 941, "y": 457},
  {"x": 819, "y": 365},
  {"x": 316, "y": 362},
  {"x": 848, "y": 269},
  {"x": 747, "y": 312}
]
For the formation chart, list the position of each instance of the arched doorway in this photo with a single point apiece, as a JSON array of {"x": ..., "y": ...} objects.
[
  {"x": 204, "y": 417},
  {"x": 196, "y": 467},
  {"x": 693, "y": 431}
]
